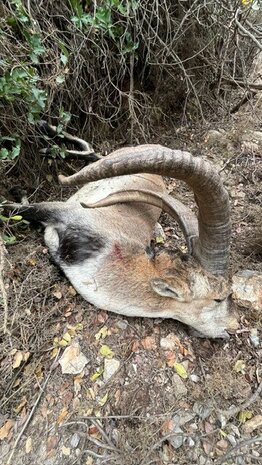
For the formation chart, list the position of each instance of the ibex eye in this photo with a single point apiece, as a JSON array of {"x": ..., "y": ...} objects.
[{"x": 218, "y": 300}]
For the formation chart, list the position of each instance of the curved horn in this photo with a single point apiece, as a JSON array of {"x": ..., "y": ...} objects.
[
  {"x": 177, "y": 210},
  {"x": 212, "y": 248}
]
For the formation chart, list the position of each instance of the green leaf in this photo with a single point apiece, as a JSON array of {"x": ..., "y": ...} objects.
[
  {"x": 8, "y": 240},
  {"x": 60, "y": 79},
  {"x": 180, "y": 369}
]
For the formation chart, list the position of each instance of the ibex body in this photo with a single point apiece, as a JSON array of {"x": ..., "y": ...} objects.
[{"x": 105, "y": 253}]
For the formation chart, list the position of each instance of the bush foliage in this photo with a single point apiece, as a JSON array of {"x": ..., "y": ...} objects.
[{"x": 121, "y": 65}]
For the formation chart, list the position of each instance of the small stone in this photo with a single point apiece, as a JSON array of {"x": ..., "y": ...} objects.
[
  {"x": 74, "y": 441},
  {"x": 122, "y": 324},
  {"x": 111, "y": 366},
  {"x": 202, "y": 410},
  {"x": 182, "y": 418},
  {"x": 176, "y": 441},
  {"x": 190, "y": 442},
  {"x": 180, "y": 389},
  {"x": 231, "y": 439},
  {"x": 216, "y": 138},
  {"x": 247, "y": 289},
  {"x": 254, "y": 337},
  {"x": 252, "y": 424},
  {"x": 194, "y": 378}
]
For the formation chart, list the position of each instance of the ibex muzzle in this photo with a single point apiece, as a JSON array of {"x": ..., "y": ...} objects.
[{"x": 99, "y": 237}]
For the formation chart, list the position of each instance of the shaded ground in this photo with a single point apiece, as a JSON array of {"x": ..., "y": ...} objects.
[{"x": 151, "y": 411}]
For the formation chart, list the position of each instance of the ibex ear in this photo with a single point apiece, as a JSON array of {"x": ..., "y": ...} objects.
[{"x": 163, "y": 288}]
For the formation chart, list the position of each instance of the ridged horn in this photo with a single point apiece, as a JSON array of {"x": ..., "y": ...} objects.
[
  {"x": 214, "y": 224},
  {"x": 176, "y": 209}
]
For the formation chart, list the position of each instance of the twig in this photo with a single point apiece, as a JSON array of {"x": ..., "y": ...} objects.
[
  {"x": 248, "y": 33},
  {"x": 247, "y": 442},
  {"x": 2, "y": 285},
  {"x": 235, "y": 410},
  {"x": 53, "y": 366}
]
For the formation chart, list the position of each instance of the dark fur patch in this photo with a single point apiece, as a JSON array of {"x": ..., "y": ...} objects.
[{"x": 77, "y": 244}]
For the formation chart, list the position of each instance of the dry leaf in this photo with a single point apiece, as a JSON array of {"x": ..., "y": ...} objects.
[
  {"x": 21, "y": 405},
  {"x": 66, "y": 451},
  {"x": 103, "y": 400},
  {"x": 240, "y": 366},
  {"x": 52, "y": 442},
  {"x": 62, "y": 415},
  {"x": 58, "y": 295},
  {"x": 28, "y": 445},
  {"x": 73, "y": 360},
  {"x": 6, "y": 428},
  {"x": 149, "y": 343},
  {"x": 105, "y": 351},
  {"x": 71, "y": 291},
  {"x": 18, "y": 358},
  {"x": 89, "y": 460}
]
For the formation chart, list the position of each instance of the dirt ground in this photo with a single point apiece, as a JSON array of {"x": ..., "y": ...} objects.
[{"x": 170, "y": 399}]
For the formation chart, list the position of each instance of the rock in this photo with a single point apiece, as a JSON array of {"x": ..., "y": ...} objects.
[
  {"x": 252, "y": 424},
  {"x": 216, "y": 138},
  {"x": 111, "y": 366},
  {"x": 190, "y": 442},
  {"x": 247, "y": 289},
  {"x": 169, "y": 342},
  {"x": 194, "y": 378},
  {"x": 180, "y": 390},
  {"x": 73, "y": 360},
  {"x": 254, "y": 337},
  {"x": 176, "y": 441},
  {"x": 231, "y": 439},
  {"x": 182, "y": 418},
  {"x": 74, "y": 440},
  {"x": 202, "y": 410},
  {"x": 122, "y": 324}
]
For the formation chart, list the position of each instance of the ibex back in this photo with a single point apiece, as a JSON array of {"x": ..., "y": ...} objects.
[{"x": 100, "y": 237}]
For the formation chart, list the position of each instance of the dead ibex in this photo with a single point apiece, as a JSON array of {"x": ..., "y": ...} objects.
[{"x": 100, "y": 237}]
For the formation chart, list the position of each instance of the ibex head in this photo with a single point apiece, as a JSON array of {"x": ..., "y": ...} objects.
[{"x": 196, "y": 291}]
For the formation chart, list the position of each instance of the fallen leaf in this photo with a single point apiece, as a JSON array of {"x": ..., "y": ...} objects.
[
  {"x": 102, "y": 333},
  {"x": 245, "y": 415},
  {"x": 180, "y": 369},
  {"x": 28, "y": 445},
  {"x": 103, "y": 400},
  {"x": 62, "y": 415},
  {"x": 18, "y": 358},
  {"x": 6, "y": 428},
  {"x": 105, "y": 351},
  {"x": 71, "y": 291},
  {"x": 89, "y": 460},
  {"x": 135, "y": 346},
  {"x": 96, "y": 375},
  {"x": 149, "y": 343},
  {"x": 52, "y": 442},
  {"x": 58, "y": 295},
  {"x": 66, "y": 451},
  {"x": 240, "y": 366},
  {"x": 21, "y": 405},
  {"x": 65, "y": 341},
  {"x": 73, "y": 360}
]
